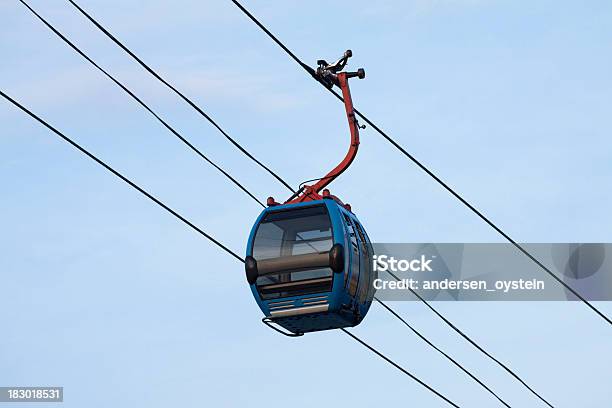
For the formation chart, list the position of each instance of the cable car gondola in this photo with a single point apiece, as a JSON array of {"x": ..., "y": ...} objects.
[{"x": 309, "y": 259}]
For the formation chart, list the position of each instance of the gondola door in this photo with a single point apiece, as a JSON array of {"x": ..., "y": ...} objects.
[{"x": 353, "y": 279}]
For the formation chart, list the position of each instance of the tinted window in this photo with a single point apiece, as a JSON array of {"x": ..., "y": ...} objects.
[
  {"x": 365, "y": 264},
  {"x": 294, "y": 232},
  {"x": 354, "y": 251}
]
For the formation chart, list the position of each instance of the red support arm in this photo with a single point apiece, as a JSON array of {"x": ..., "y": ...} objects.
[{"x": 312, "y": 192}]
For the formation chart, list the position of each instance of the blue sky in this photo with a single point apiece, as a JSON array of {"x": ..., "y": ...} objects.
[{"x": 107, "y": 295}]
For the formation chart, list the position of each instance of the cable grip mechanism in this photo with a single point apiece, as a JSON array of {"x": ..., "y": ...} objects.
[{"x": 326, "y": 73}]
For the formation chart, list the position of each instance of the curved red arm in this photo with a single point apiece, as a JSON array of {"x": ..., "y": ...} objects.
[{"x": 312, "y": 192}]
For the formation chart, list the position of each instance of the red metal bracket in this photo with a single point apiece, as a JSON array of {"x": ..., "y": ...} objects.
[{"x": 309, "y": 193}]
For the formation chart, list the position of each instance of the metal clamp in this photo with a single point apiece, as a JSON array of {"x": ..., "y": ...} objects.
[{"x": 326, "y": 72}]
